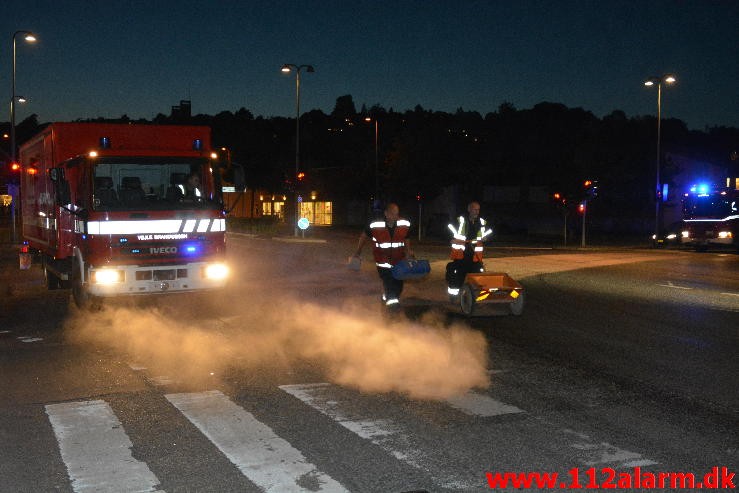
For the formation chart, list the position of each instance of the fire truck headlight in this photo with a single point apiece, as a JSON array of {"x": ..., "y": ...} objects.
[
  {"x": 724, "y": 234},
  {"x": 686, "y": 234},
  {"x": 107, "y": 276},
  {"x": 216, "y": 272}
]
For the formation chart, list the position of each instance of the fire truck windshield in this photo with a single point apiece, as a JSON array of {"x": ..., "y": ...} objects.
[
  {"x": 713, "y": 206},
  {"x": 162, "y": 183}
]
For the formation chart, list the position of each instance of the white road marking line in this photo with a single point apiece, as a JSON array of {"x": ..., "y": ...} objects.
[
  {"x": 730, "y": 294},
  {"x": 96, "y": 449},
  {"x": 385, "y": 433},
  {"x": 262, "y": 456},
  {"x": 162, "y": 380},
  {"x": 30, "y": 339},
  {"x": 670, "y": 285},
  {"x": 481, "y": 405},
  {"x": 605, "y": 453},
  {"x": 5, "y": 331},
  {"x": 136, "y": 367}
]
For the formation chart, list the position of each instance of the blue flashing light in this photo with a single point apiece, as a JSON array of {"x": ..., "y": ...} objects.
[
  {"x": 197, "y": 144},
  {"x": 702, "y": 189},
  {"x": 190, "y": 249},
  {"x": 104, "y": 142},
  {"x": 665, "y": 189},
  {"x": 122, "y": 240}
]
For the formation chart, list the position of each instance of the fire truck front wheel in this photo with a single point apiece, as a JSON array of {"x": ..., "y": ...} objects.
[{"x": 82, "y": 298}]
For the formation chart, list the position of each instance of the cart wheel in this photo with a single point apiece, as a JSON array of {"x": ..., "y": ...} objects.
[
  {"x": 467, "y": 300},
  {"x": 517, "y": 305}
]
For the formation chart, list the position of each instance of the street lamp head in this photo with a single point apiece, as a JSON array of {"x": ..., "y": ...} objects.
[
  {"x": 286, "y": 68},
  {"x": 30, "y": 37},
  {"x": 309, "y": 68},
  {"x": 21, "y": 99},
  {"x": 668, "y": 78}
]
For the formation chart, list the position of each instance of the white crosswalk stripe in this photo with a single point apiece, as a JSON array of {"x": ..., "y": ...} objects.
[
  {"x": 389, "y": 435},
  {"x": 261, "y": 455},
  {"x": 481, "y": 405},
  {"x": 96, "y": 450}
]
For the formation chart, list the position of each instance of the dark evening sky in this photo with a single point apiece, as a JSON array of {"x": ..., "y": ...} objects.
[{"x": 139, "y": 57}]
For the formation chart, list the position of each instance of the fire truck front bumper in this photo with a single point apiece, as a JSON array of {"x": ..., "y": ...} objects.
[{"x": 146, "y": 279}]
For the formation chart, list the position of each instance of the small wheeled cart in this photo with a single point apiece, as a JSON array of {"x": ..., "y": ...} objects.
[{"x": 490, "y": 287}]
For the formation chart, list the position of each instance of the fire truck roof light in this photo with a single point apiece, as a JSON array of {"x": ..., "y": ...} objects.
[{"x": 197, "y": 144}]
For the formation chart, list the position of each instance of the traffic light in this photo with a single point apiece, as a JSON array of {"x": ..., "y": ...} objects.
[
  {"x": 559, "y": 198},
  {"x": 581, "y": 208},
  {"x": 418, "y": 196},
  {"x": 15, "y": 167},
  {"x": 591, "y": 188}
]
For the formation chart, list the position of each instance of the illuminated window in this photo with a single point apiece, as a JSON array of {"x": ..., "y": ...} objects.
[
  {"x": 318, "y": 213},
  {"x": 273, "y": 209}
]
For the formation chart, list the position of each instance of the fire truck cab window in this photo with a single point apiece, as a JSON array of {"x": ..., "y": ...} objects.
[{"x": 153, "y": 183}]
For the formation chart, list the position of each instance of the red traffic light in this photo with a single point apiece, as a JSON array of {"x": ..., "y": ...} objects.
[
  {"x": 588, "y": 183},
  {"x": 15, "y": 166},
  {"x": 581, "y": 208},
  {"x": 556, "y": 196}
]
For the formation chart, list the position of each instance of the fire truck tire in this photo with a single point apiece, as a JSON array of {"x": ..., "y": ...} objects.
[
  {"x": 467, "y": 300},
  {"x": 517, "y": 305},
  {"x": 82, "y": 298}
]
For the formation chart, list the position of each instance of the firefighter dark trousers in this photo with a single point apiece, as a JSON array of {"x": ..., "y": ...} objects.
[
  {"x": 391, "y": 286},
  {"x": 456, "y": 271}
]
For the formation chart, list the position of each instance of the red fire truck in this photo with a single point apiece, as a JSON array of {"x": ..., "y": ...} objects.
[
  {"x": 111, "y": 209},
  {"x": 711, "y": 217}
]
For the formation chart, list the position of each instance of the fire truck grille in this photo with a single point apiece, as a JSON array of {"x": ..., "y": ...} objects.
[{"x": 161, "y": 274}]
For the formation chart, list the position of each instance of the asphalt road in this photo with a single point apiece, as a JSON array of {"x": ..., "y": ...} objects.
[{"x": 295, "y": 379}]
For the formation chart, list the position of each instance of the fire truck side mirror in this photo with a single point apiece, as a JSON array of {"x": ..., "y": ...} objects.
[
  {"x": 56, "y": 174},
  {"x": 61, "y": 186}
]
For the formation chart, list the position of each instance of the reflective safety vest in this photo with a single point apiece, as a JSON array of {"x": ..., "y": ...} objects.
[
  {"x": 460, "y": 241},
  {"x": 389, "y": 250}
]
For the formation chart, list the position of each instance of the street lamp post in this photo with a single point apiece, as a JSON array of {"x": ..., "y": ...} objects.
[
  {"x": 288, "y": 67},
  {"x": 651, "y": 81},
  {"x": 377, "y": 186},
  {"x": 30, "y": 38}
]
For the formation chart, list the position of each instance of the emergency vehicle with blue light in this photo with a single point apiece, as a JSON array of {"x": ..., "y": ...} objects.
[
  {"x": 107, "y": 209},
  {"x": 710, "y": 217}
]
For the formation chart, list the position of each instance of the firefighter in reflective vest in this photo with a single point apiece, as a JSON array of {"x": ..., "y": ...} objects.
[
  {"x": 469, "y": 233},
  {"x": 390, "y": 246}
]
